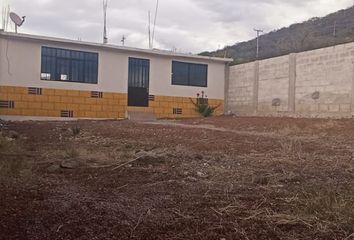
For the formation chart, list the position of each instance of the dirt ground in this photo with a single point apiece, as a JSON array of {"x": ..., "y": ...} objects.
[{"x": 214, "y": 178}]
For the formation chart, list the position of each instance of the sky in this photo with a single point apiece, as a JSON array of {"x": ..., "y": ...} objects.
[{"x": 188, "y": 26}]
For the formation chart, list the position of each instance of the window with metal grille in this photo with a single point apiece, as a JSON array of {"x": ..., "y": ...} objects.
[
  {"x": 7, "y": 104},
  {"x": 96, "y": 94},
  {"x": 189, "y": 74},
  {"x": 69, "y": 65},
  {"x": 177, "y": 110},
  {"x": 67, "y": 113},
  {"x": 139, "y": 73},
  {"x": 151, "y": 97},
  {"x": 34, "y": 91}
]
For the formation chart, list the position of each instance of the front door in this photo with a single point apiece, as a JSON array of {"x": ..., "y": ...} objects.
[{"x": 138, "y": 82}]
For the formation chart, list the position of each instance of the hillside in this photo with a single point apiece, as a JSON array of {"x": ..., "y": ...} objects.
[{"x": 335, "y": 28}]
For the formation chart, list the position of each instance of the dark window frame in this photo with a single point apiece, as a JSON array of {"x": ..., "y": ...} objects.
[
  {"x": 189, "y": 81},
  {"x": 52, "y": 56}
]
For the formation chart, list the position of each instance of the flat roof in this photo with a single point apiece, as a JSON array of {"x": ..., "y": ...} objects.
[{"x": 109, "y": 46}]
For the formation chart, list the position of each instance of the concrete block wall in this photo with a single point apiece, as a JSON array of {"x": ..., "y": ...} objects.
[
  {"x": 273, "y": 84},
  {"x": 318, "y": 83},
  {"x": 327, "y": 73},
  {"x": 241, "y": 85}
]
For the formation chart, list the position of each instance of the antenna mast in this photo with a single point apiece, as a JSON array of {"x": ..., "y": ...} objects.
[
  {"x": 153, "y": 31},
  {"x": 149, "y": 29},
  {"x": 258, "y": 32},
  {"x": 105, "y": 38},
  {"x": 5, "y": 16}
]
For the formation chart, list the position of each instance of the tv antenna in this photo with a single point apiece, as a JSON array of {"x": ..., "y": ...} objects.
[
  {"x": 123, "y": 40},
  {"x": 105, "y": 38},
  {"x": 17, "y": 20}
]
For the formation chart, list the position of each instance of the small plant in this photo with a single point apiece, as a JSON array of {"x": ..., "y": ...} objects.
[
  {"x": 202, "y": 105},
  {"x": 71, "y": 153},
  {"x": 75, "y": 130},
  {"x": 4, "y": 143},
  {"x": 291, "y": 149}
]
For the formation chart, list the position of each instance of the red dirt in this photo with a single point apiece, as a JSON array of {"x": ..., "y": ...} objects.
[{"x": 216, "y": 178}]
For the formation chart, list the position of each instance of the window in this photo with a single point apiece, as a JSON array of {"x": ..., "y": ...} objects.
[
  {"x": 189, "y": 74},
  {"x": 69, "y": 65}
]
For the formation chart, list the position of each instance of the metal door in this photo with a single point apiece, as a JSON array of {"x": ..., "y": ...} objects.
[{"x": 138, "y": 82}]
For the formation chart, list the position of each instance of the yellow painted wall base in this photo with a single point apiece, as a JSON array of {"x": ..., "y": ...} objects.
[{"x": 52, "y": 103}]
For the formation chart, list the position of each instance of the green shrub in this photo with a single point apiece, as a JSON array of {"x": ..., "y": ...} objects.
[{"x": 202, "y": 106}]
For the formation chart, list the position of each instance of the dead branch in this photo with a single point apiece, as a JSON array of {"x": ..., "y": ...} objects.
[
  {"x": 180, "y": 214},
  {"x": 126, "y": 163}
]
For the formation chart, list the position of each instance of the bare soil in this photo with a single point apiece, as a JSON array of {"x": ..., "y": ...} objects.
[{"x": 212, "y": 178}]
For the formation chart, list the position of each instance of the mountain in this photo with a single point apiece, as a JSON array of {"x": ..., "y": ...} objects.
[{"x": 333, "y": 29}]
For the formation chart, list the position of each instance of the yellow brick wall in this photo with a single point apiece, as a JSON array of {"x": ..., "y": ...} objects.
[
  {"x": 111, "y": 105},
  {"x": 163, "y": 106},
  {"x": 53, "y": 101}
]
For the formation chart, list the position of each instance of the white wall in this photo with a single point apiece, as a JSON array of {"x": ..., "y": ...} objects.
[{"x": 22, "y": 58}]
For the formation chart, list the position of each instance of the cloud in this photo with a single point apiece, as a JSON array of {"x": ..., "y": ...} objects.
[{"x": 188, "y": 25}]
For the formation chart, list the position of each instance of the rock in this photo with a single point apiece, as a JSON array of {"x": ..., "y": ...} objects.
[
  {"x": 69, "y": 164},
  {"x": 13, "y": 134},
  {"x": 53, "y": 168},
  {"x": 192, "y": 179},
  {"x": 200, "y": 174},
  {"x": 259, "y": 179},
  {"x": 198, "y": 157},
  {"x": 141, "y": 154}
]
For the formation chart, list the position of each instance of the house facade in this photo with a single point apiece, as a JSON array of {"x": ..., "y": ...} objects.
[{"x": 58, "y": 78}]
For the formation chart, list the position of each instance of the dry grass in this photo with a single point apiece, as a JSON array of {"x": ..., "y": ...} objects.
[
  {"x": 291, "y": 149},
  {"x": 331, "y": 208},
  {"x": 13, "y": 162},
  {"x": 288, "y": 184}
]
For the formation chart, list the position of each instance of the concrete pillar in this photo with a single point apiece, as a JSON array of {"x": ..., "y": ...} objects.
[
  {"x": 226, "y": 87},
  {"x": 292, "y": 82},
  {"x": 255, "y": 87},
  {"x": 352, "y": 91}
]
